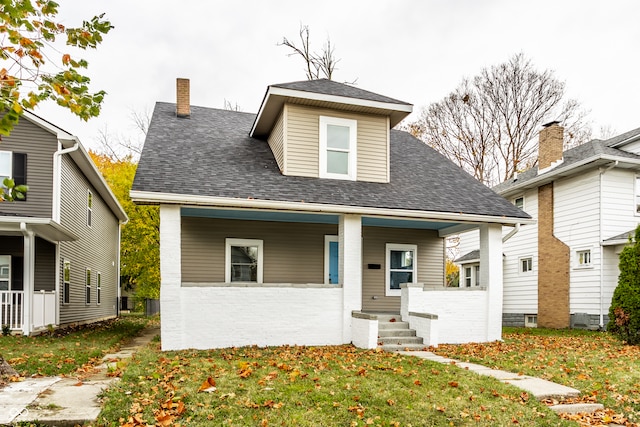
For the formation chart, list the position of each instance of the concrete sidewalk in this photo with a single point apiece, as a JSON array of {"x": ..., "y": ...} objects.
[
  {"x": 537, "y": 387},
  {"x": 65, "y": 401}
]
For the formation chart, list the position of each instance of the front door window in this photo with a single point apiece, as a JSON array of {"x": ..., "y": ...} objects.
[
  {"x": 5, "y": 273},
  {"x": 401, "y": 267}
]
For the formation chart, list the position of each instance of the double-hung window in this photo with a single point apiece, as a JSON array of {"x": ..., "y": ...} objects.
[
  {"x": 66, "y": 280},
  {"x": 400, "y": 267},
  {"x": 89, "y": 208},
  {"x": 519, "y": 202},
  {"x": 99, "y": 288},
  {"x": 14, "y": 166},
  {"x": 88, "y": 287},
  {"x": 338, "y": 148},
  {"x": 243, "y": 260},
  {"x": 583, "y": 258}
]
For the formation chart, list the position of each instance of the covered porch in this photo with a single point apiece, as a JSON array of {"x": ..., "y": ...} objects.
[
  {"x": 29, "y": 273},
  {"x": 234, "y": 277}
]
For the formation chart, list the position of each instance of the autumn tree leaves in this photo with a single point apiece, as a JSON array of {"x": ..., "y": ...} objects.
[{"x": 34, "y": 70}]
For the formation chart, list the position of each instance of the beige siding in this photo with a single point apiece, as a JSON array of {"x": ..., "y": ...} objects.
[
  {"x": 293, "y": 252},
  {"x": 95, "y": 249},
  {"x": 276, "y": 141},
  {"x": 39, "y": 145},
  {"x": 302, "y": 142},
  {"x": 430, "y": 263}
]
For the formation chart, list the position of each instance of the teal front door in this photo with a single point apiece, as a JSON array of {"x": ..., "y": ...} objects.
[{"x": 333, "y": 262}]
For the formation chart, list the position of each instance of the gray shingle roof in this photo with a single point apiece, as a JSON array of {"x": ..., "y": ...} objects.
[
  {"x": 330, "y": 87},
  {"x": 571, "y": 157},
  {"x": 470, "y": 256},
  {"x": 211, "y": 154}
]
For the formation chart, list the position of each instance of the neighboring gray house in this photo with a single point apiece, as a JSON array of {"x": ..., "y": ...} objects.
[
  {"x": 299, "y": 224},
  {"x": 59, "y": 248},
  {"x": 562, "y": 272}
]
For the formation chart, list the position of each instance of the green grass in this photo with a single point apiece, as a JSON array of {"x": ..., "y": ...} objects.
[
  {"x": 68, "y": 351},
  {"x": 601, "y": 367},
  {"x": 311, "y": 386}
]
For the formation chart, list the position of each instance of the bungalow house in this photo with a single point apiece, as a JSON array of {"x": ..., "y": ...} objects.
[
  {"x": 302, "y": 223},
  {"x": 562, "y": 272},
  {"x": 59, "y": 248}
]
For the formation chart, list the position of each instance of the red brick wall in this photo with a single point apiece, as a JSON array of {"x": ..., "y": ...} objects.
[{"x": 553, "y": 267}]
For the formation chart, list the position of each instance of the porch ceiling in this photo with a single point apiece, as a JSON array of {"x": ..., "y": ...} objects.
[{"x": 279, "y": 216}]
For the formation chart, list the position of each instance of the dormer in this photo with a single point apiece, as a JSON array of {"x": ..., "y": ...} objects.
[{"x": 324, "y": 129}]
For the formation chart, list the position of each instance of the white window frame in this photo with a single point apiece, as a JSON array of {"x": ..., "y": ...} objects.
[
  {"x": 520, "y": 265},
  {"x": 473, "y": 278},
  {"x": 398, "y": 247},
  {"x": 580, "y": 251},
  {"x": 66, "y": 282},
  {"x": 530, "y": 320},
  {"x": 229, "y": 242},
  {"x": 352, "y": 162},
  {"x": 515, "y": 199},
  {"x": 327, "y": 240},
  {"x": 8, "y": 273},
  {"x": 3, "y": 176},
  {"x": 636, "y": 196},
  {"x": 89, "y": 208},
  {"x": 98, "y": 288}
]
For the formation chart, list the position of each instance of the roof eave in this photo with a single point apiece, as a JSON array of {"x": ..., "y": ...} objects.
[
  {"x": 565, "y": 171},
  {"x": 145, "y": 197},
  {"x": 275, "y": 98}
]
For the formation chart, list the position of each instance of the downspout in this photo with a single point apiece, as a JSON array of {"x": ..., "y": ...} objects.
[
  {"x": 57, "y": 178},
  {"x": 601, "y": 316},
  {"x": 28, "y": 250},
  {"x": 511, "y": 233}
]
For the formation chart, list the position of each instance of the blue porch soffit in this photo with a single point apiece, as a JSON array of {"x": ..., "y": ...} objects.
[{"x": 259, "y": 215}]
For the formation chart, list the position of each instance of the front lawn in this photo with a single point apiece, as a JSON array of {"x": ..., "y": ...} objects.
[
  {"x": 602, "y": 368},
  {"x": 310, "y": 386},
  {"x": 69, "y": 351}
]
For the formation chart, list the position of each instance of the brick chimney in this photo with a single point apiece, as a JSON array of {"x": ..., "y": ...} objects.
[
  {"x": 550, "y": 142},
  {"x": 183, "y": 104}
]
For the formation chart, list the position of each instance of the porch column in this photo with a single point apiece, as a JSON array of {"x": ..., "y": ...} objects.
[
  {"x": 170, "y": 276},
  {"x": 350, "y": 268},
  {"x": 28, "y": 280},
  {"x": 491, "y": 277}
]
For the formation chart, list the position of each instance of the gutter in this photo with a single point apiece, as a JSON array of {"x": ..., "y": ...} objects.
[
  {"x": 230, "y": 202},
  {"x": 57, "y": 177},
  {"x": 602, "y": 172},
  {"x": 511, "y": 233}
]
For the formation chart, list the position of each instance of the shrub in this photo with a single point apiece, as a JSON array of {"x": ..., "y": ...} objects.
[{"x": 624, "y": 313}]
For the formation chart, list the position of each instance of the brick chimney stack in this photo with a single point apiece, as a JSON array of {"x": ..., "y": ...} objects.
[
  {"x": 550, "y": 144},
  {"x": 183, "y": 104}
]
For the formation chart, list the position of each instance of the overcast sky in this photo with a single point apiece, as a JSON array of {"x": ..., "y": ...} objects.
[{"x": 415, "y": 51}]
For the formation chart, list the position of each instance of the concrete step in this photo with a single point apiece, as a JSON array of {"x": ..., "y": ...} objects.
[
  {"x": 400, "y": 340},
  {"x": 389, "y": 317},
  {"x": 396, "y": 333},
  {"x": 393, "y": 325},
  {"x": 403, "y": 347}
]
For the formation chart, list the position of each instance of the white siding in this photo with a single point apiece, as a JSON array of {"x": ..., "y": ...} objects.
[
  {"x": 618, "y": 207},
  {"x": 577, "y": 224},
  {"x": 521, "y": 290},
  {"x": 634, "y": 147}
]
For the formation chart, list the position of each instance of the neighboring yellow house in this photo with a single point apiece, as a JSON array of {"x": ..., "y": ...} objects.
[{"x": 303, "y": 223}]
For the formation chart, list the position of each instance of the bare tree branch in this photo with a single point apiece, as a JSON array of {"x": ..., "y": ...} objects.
[
  {"x": 489, "y": 124},
  {"x": 318, "y": 65}
]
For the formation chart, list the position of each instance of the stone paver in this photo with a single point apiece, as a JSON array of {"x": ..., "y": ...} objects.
[
  {"x": 539, "y": 388},
  {"x": 577, "y": 408},
  {"x": 66, "y": 401}
]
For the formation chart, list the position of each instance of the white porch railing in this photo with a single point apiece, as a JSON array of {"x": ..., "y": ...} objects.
[
  {"x": 11, "y": 303},
  {"x": 44, "y": 309}
]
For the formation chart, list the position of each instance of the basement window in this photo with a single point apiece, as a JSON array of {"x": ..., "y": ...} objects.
[{"x": 531, "y": 320}]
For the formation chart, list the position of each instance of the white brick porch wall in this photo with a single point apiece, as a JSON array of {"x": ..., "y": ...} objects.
[{"x": 462, "y": 312}]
